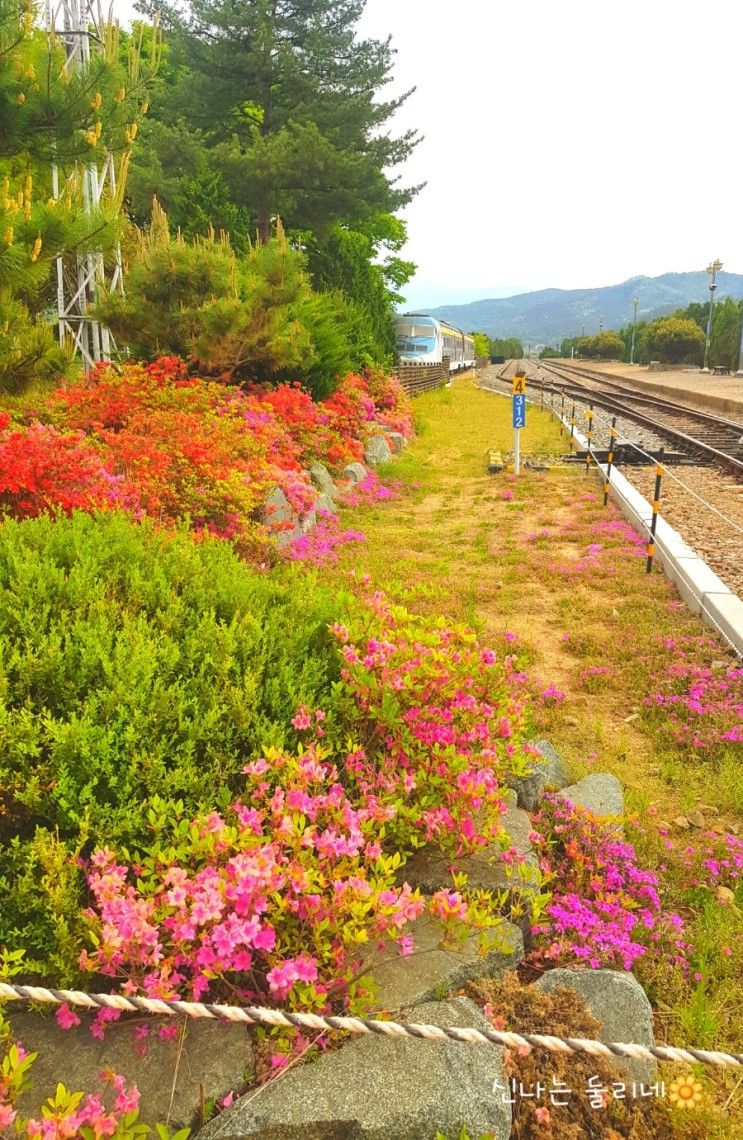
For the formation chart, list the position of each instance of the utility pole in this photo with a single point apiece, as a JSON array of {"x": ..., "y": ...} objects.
[
  {"x": 635, "y": 303},
  {"x": 601, "y": 323},
  {"x": 74, "y": 22},
  {"x": 713, "y": 269},
  {"x": 740, "y": 354}
]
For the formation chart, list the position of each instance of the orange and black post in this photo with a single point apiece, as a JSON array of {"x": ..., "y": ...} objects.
[
  {"x": 656, "y": 508},
  {"x": 589, "y": 433},
  {"x": 610, "y": 457}
]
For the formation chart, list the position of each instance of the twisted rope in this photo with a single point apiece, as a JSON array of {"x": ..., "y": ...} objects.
[{"x": 254, "y": 1015}]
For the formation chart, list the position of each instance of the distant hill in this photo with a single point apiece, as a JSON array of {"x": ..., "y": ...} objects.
[{"x": 548, "y": 315}]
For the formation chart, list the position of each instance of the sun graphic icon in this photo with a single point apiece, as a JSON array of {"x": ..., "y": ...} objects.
[{"x": 685, "y": 1092}]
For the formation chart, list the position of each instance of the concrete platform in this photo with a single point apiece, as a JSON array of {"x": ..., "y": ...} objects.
[
  {"x": 704, "y": 593},
  {"x": 720, "y": 394}
]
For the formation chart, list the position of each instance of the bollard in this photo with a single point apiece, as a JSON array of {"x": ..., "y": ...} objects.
[
  {"x": 656, "y": 508},
  {"x": 610, "y": 457},
  {"x": 589, "y": 434}
]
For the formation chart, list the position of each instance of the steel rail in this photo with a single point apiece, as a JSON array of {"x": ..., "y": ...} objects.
[{"x": 614, "y": 404}]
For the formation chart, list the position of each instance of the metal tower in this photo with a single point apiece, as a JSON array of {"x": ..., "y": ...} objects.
[{"x": 75, "y": 22}]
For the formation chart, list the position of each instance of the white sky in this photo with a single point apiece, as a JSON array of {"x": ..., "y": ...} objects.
[{"x": 569, "y": 144}]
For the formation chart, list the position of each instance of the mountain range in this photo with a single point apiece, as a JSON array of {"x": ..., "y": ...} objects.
[{"x": 548, "y": 315}]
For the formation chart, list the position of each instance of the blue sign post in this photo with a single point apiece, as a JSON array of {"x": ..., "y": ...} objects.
[{"x": 519, "y": 417}]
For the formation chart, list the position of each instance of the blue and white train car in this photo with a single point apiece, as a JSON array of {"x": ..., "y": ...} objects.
[{"x": 424, "y": 340}]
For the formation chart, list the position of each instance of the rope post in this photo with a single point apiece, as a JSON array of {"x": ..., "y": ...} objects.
[
  {"x": 589, "y": 433},
  {"x": 656, "y": 508},
  {"x": 572, "y": 424},
  {"x": 610, "y": 457},
  {"x": 562, "y": 411}
]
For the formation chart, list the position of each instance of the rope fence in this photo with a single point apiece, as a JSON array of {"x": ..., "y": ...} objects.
[{"x": 256, "y": 1015}]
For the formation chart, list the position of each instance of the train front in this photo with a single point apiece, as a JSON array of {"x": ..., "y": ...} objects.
[{"x": 418, "y": 339}]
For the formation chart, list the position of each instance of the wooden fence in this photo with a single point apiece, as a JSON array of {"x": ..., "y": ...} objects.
[{"x": 417, "y": 378}]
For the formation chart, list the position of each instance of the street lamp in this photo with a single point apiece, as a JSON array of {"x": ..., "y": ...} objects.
[
  {"x": 635, "y": 303},
  {"x": 713, "y": 270}
]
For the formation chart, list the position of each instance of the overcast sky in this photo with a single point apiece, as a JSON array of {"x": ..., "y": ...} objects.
[{"x": 566, "y": 144}]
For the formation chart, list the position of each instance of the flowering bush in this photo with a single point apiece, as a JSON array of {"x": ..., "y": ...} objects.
[
  {"x": 605, "y": 909},
  {"x": 273, "y": 893},
  {"x": 435, "y": 726},
  {"x": 153, "y": 441},
  {"x": 68, "y": 1114},
  {"x": 44, "y": 470}
]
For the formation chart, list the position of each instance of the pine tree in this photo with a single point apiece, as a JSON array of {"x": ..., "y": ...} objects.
[
  {"x": 283, "y": 95},
  {"x": 52, "y": 114}
]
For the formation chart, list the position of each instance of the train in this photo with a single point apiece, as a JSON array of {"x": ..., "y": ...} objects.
[{"x": 421, "y": 339}]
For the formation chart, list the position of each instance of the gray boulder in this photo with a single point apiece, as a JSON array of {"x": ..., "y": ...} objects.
[
  {"x": 322, "y": 479},
  {"x": 376, "y": 1088},
  {"x": 433, "y": 970},
  {"x": 355, "y": 472},
  {"x": 308, "y": 521},
  {"x": 600, "y": 793},
  {"x": 377, "y": 450},
  {"x": 618, "y": 1001},
  {"x": 277, "y": 510},
  {"x": 548, "y": 771},
  {"x": 326, "y": 504},
  {"x": 216, "y": 1055},
  {"x": 396, "y": 441},
  {"x": 428, "y": 868}
]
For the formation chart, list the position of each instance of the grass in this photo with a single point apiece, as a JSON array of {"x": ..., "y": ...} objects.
[{"x": 511, "y": 556}]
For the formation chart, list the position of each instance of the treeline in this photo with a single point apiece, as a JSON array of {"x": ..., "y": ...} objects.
[
  {"x": 259, "y": 133},
  {"x": 676, "y": 339},
  {"x": 509, "y": 348}
]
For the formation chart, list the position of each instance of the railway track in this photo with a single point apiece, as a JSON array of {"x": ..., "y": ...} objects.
[{"x": 705, "y": 438}]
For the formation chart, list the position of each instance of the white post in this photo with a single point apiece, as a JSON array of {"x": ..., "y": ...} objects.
[
  {"x": 517, "y": 451},
  {"x": 740, "y": 354}
]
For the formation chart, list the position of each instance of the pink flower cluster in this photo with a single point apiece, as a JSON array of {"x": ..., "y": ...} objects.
[
  {"x": 437, "y": 722},
  {"x": 66, "y": 1114},
  {"x": 273, "y": 894},
  {"x": 605, "y": 909},
  {"x": 702, "y": 704}
]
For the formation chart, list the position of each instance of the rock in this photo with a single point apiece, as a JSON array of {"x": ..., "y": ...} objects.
[
  {"x": 682, "y": 823},
  {"x": 215, "y": 1055},
  {"x": 548, "y": 771},
  {"x": 600, "y": 793},
  {"x": 322, "y": 479},
  {"x": 432, "y": 970},
  {"x": 428, "y": 868},
  {"x": 325, "y": 504},
  {"x": 377, "y": 450},
  {"x": 396, "y": 441},
  {"x": 696, "y": 819},
  {"x": 308, "y": 521},
  {"x": 278, "y": 510},
  {"x": 376, "y": 1088},
  {"x": 355, "y": 472},
  {"x": 618, "y": 1001}
]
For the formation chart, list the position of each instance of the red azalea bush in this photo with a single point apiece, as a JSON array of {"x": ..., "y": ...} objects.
[
  {"x": 42, "y": 469},
  {"x": 154, "y": 441}
]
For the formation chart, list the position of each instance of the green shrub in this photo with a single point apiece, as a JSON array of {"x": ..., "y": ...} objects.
[{"x": 135, "y": 664}]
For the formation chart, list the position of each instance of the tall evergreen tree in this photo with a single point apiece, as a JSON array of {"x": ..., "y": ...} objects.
[{"x": 283, "y": 95}]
